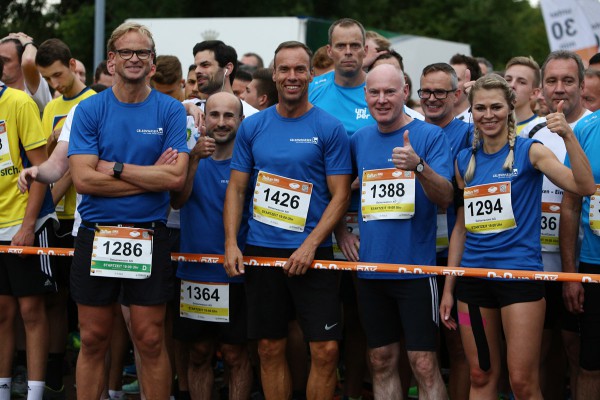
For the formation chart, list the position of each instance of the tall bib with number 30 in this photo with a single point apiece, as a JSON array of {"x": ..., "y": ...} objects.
[
  {"x": 121, "y": 252},
  {"x": 488, "y": 208},
  {"x": 594, "y": 213},
  {"x": 281, "y": 202},
  {"x": 387, "y": 194}
]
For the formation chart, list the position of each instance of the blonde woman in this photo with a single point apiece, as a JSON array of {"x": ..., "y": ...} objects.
[{"x": 499, "y": 227}]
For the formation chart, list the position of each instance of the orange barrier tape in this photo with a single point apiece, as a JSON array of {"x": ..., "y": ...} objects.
[{"x": 350, "y": 266}]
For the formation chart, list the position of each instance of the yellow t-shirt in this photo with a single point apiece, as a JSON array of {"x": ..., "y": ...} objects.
[
  {"x": 20, "y": 131},
  {"x": 54, "y": 118}
]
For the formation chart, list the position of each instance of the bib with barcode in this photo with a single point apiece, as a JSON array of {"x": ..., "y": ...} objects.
[
  {"x": 488, "y": 208},
  {"x": 441, "y": 235},
  {"x": 204, "y": 301},
  {"x": 5, "y": 158},
  {"x": 387, "y": 194},
  {"x": 594, "y": 213},
  {"x": 121, "y": 252},
  {"x": 550, "y": 222},
  {"x": 281, "y": 202}
]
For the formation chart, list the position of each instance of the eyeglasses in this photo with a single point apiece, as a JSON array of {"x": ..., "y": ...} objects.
[
  {"x": 127, "y": 54},
  {"x": 438, "y": 94}
]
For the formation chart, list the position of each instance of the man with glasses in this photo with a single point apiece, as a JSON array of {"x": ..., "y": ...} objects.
[
  {"x": 117, "y": 137},
  {"x": 402, "y": 189},
  {"x": 439, "y": 93}
]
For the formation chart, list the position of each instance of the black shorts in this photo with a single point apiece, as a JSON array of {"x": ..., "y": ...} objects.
[
  {"x": 391, "y": 307},
  {"x": 101, "y": 291},
  {"x": 590, "y": 321},
  {"x": 498, "y": 293},
  {"x": 274, "y": 299},
  {"x": 348, "y": 288},
  {"x": 62, "y": 265},
  {"x": 232, "y": 332},
  {"x": 557, "y": 315},
  {"x": 29, "y": 275}
]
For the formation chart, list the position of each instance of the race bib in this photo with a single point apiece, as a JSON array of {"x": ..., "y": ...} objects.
[
  {"x": 595, "y": 211},
  {"x": 441, "y": 236},
  {"x": 204, "y": 301},
  {"x": 488, "y": 208},
  {"x": 550, "y": 221},
  {"x": 121, "y": 252},
  {"x": 387, "y": 194},
  {"x": 281, "y": 202},
  {"x": 352, "y": 226},
  {"x": 5, "y": 159}
]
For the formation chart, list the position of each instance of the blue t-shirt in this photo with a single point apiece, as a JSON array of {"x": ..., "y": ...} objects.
[
  {"x": 202, "y": 229},
  {"x": 347, "y": 104},
  {"x": 460, "y": 136},
  {"x": 308, "y": 148},
  {"x": 131, "y": 133},
  {"x": 587, "y": 132},
  {"x": 404, "y": 241},
  {"x": 518, "y": 248}
]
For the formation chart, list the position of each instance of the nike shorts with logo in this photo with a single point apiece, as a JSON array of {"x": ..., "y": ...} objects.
[
  {"x": 275, "y": 299},
  {"x": 29, "y": 275},
  {"x": 392, "y": 308}
]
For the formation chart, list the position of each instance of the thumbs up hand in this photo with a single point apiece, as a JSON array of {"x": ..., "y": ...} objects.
[
  {"x": 404, "y": 157},
  {"x": 557, "y": 123}
]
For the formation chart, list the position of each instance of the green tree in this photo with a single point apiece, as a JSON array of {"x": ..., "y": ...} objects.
[{"x": 33, "y": 17}]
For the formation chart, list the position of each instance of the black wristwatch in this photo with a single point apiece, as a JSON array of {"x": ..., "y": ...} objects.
[
  {"x": 117, "y": 169},
  {"x": 420, "y": 166}
]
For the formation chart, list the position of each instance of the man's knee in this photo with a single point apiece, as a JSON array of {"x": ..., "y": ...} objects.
[
  {"x": 271, "y": 349},
  {"x": 32, "y": 309},
  {"x": 7, "y": 312},
  {"x": 95, "y": 338},
  {"x": 424, "y": 365},
  {"x": 201, "y": 354},
  {"x": 382, "y": 359},
  {"x": 149, "y": 340},
  {"x": 234, "y": 356},
  {"x": 324, "y": 353}
]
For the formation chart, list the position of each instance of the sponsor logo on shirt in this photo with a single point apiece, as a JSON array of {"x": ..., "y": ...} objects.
[
  {"x": 157, "y": 131},
  {"x": 514, "y": 173},
  {"x": 313, "y": 140},
  {"x": 361, "y": 113},
  {"x": 10, "y": 171}
]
